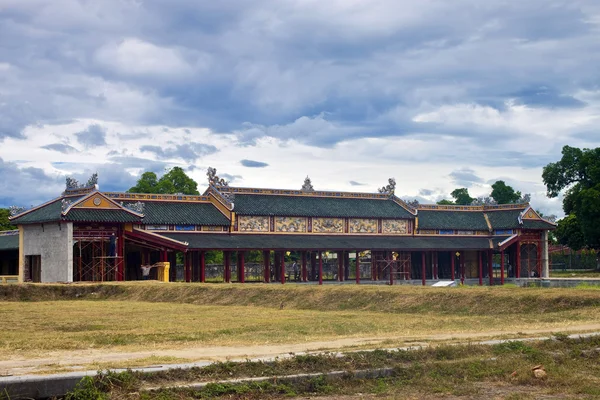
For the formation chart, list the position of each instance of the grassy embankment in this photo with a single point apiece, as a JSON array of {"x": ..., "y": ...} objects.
[
  {"x": 153, "y": 316},
  {"x": 502, "y": 371}
]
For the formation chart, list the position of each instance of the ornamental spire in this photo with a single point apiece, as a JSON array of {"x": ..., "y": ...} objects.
[
  {"x": 390, "y": 188},
  {"x": 307, "y": 187}
]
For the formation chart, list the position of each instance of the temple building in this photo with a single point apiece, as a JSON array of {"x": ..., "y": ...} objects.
[{"x": 271, "y": 235}]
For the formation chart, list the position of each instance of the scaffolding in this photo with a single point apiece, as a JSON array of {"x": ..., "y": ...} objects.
[
  {"x": 394, "y": 267},
  {"x": 92, "y": 258}
]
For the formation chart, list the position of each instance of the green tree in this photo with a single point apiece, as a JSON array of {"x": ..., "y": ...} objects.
[
  {"x": 146, "y": 184},
  {"x": 568, "y": 233},
  {"x": 504, "y": 194},
  {"x": 461, "y": 196},
  {"x": 173, "y": 181},
  {"x": 4, "y": 222},
  {"x": 445, "y": 202},
  {"x": 577, "y": 174}
]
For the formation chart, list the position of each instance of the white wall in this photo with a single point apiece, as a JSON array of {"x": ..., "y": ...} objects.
[{"x": 54, "y": 243}]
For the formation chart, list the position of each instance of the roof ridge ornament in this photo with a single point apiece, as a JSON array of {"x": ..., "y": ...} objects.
[
  {"x": 390, "y": 188},
  {"x": 307, "y": 186},
  {"x": 137, "y": 207},
  {"x": 74, "y": 187},
  {"x": 214, "y": 180},
  {"x": 16, "y": 210},
  {"x": 65, "y": 204}
]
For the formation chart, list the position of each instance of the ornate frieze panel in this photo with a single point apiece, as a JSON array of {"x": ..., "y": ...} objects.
[
  {"x": 328, "y": 225},
  {"x": 362, "y": 225},
  {"x": 253, "y": 224},
  {"x": 395, "y": 226},
  {"x": 290, "y": 224}
]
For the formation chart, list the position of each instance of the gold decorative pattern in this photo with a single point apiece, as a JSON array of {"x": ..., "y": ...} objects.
[
  {"x": 156, "y": 197},
  {"x": 253, "y": 224},
  {"x": 317, "y": 193},
  {"x": 213, "y": 228},
  {"x": 428, "y": 231},
  {"x": 362, "y": 225},
  {"x": 290, "y": 224},
  {"x": 395, "y": 226},
  {"x": 445, "y": 207},
  {"x": 328, "y": 225}
]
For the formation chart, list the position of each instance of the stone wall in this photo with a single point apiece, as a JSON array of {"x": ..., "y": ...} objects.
[{"x": 54, "y": 243}]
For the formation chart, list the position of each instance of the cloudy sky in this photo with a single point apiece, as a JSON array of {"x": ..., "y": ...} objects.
[{"x": 438, "y": 94}]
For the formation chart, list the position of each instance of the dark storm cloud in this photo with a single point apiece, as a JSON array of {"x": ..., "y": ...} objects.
[
  {"x": 253, "y": 164},
  {"x": 93, "y": 136},
  {"x": 60, "y": 147},
  {"x": 26, "y": 186},
  {"x": 190, "y": 151}
]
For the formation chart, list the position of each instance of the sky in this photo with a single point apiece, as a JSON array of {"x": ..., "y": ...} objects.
[{"x": 437, "y": 94}]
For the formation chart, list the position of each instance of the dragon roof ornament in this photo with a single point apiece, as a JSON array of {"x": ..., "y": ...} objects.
[
  {"x": 307, "y": 186},
  {"x": 390, "y": 188}
]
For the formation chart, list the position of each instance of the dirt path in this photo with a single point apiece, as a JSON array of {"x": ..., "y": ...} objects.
[{"x": 79, "y": 359}]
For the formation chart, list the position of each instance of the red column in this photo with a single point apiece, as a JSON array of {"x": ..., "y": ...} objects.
[
  {"x": 462, "y": 268},
  {"x": 267, "y": 265},
  {"x": 480, "y": 268},
  {"x": 164, "y": 256},
  {"x": 490, "y": 268},
  {"x": 423, "y": 279},
  {"x": 187, "y": 267},
  {"x": 282, "y": 267},
  {"x": 304, "y": 272},
  {"x": 227, "y": 261},
  {"x": 340, "y": 257},
  {"x": 518, "y": 260},
  {"x": 241, "y": 267},
  {"x": 357, "y": 267},
  {"x": 320, "y": 268},
  {"x": 452, "y": 265},
  {"x": 373, "y": 264},
  {"x": 434, "y": 258},
  {"x": 502, "y": 267},
  {"x": 202, "y": 267}
]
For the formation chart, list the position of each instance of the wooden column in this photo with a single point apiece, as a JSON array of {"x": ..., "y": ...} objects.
[
  {"x": 304, "y": 272},
  {"x": 502, "y": 267},
  {"x": 313, "y": 265},
  {"x": 423, "y": 268},
  {"x": 357, "y": 267},
  {"x": 267, "y": 266},
  {"x": 434, "y": 261},
  {"x": 462, "y": 268},
  {"x": 227, "y": 262},
  {"x": 490, "y": 267},
  {"x": 241, "y": 267},
  {"x": 282, "y": 273},
  {"x": 518, "y": 260},
  {"x": 480, "y": 268},
  {"x": 340, "y": 258},
  {"x": 452, "y": 265},
  {"x": 203, "y": 266},
  {"x": 187, "y": 266},
  {"x": 320, "y": 268},
  {"x": 120, "y": 260}
]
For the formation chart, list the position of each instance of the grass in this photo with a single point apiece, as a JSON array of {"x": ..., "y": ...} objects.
[
  {"x": 575, "y": 274},
  {"x": 500, "y": 371},
  {"x": 153, "y": 316}
]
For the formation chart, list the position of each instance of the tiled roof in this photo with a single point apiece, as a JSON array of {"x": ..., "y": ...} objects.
[
  {"x": 9, "y": 241},
  {"x": 306, "y": 206},
  {"x": 465, "y": 220},
  {"x": 537, "y": 224},
  {"x": 189, "y": 213},
  {"x": 102, "y": 215},
  {"x": 47, "y": 213},
  {"x": 504, "y": 219},
  {"x": 310, "y": 242}
]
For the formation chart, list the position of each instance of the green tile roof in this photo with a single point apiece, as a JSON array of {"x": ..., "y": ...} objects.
[
  {"x": 537, "y": 224},
  {"x": 47, "y": 213},
  {"x": 504, "y": 219},
  {"x": 92, "y": 215},
  {"x": 161, "y": 212},
  {"x": 9, "y": 241},
  {"x": 321, "y": 242},
  {"x": 463, "y": 220},
  {"x": 305, "y": 206}
]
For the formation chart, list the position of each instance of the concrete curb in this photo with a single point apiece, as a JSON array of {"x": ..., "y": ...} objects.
[{"x": 45, "y": 386}]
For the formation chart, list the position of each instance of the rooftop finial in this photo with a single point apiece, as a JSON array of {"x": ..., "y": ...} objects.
[
  {"x": 73, "y": 185},
  {"x": 390, "y": 188},
  {"x": 214, "y": 180},
  {"x": 307, "y": 187}
]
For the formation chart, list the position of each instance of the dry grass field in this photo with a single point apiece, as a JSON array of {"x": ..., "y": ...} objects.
[{"x": 179, "y": 322}]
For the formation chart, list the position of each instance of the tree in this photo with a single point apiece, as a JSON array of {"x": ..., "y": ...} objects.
[
  {"x": 577, "y": 174},
  {"x": 504, "y": 194},
  {"x": 173, "y": 181},
  {"x": 461, "y": 197},
  {"x": 445, "y": 202},
  {"x": 4, "y": 222},
  {"x": 568, "y": 233},
  {"x": 146, "y": 184}
]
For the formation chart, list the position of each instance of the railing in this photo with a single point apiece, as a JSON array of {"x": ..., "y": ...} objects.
[{"x": 9, "y": 278}]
